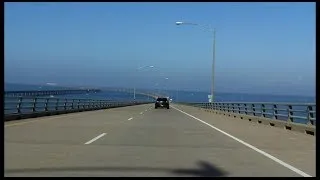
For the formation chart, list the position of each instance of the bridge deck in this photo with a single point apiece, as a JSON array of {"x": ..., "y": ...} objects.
[{"x": 157, "y": 142}]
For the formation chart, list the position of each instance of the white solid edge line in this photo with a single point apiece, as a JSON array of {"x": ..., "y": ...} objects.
[
  {"x": 252, "y": 147},
  {"x": 94, "y": 139},
  {"x": 130, "y": 118}
]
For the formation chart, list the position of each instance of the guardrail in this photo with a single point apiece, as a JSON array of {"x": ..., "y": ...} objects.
[
  {"x": 291, "y": 116},
  {"x": 24, "y": 107},
  {"x": 291, "y": 112},
  {"x": 33, "y": 93}
]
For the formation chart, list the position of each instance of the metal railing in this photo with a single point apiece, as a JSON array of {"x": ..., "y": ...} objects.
[
  {"x": 25, "y": 106},
  {"x": 33, "y": 93},
  {"x": 304, "y": 113}
]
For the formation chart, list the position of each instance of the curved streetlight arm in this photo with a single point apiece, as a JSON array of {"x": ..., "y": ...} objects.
[
  {"x": 142, "y": 67},
  {"x": 206, "y": 27}
]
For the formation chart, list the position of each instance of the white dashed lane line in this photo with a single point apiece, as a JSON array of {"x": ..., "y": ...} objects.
[{"x": 96, "y": 138}]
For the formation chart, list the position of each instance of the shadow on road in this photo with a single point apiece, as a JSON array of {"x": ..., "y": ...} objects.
[{"x": 205, "y": 169}]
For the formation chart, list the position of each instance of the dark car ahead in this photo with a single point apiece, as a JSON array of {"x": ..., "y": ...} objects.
[{"x": 162, "y": 102}]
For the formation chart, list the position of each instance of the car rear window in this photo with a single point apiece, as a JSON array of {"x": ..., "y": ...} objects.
[{"x": 162, "y": 99}]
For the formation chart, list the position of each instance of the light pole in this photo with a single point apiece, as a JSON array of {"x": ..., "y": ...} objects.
[
  {"x": 163, "y": 81},
  {"x": 134, "y": 89},
  {"x": 213, "y": 54},
  {"x": 165, "y": 87}
]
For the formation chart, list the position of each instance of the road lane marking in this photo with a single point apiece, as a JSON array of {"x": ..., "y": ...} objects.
[
  {"x": 96, "y": 138},
  {"x": 130, "y": 118},
  {"x": 250, "y": 146}
]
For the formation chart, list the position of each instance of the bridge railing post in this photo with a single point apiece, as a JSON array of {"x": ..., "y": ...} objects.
[
  {"x": 83, "y": 102},
  {"x": 34, "y": 105},
  {"x": 57, "y": 105},
  {"x": 65, "y": 104},
  {"x": 290, "y": 113},
  {"x": 275, "y": 111},
  {"x": 73, "y": 103},
  {"x": 310, "y": 115},
  {"x": 19, "y": 105},
  {"x": 91, "y": 104},
  {"x": 245, "y": 108},
  {"x": 87, "y": 103},
  {"x": 46, "y": 104},
  {"x": 263, "y": 110},
  {"x": 233, "y": 108},
  {"x": 78, "y": 104},
  {"x": 239, "y": 108},
  {"x": 253, "y": 109}
]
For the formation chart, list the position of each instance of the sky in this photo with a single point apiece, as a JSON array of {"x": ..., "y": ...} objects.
[{"x": 264, "y": 48}]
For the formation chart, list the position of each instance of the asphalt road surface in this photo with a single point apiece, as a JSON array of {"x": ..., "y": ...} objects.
[{"x": 143, "y": 141}]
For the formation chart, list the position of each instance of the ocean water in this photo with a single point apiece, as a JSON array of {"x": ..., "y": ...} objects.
[{"x": 177, "y": 96}]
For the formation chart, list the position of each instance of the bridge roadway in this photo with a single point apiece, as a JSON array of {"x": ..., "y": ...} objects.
[{"x": 143, "y": 141}]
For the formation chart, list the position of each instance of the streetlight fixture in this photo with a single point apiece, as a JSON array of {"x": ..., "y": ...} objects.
[
  {"x": 214, "y": 50},
  {"x": 134, "y": 89}
]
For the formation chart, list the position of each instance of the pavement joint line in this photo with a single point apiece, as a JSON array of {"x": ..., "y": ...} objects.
[
  {"x": 96, "y": 138},
  {"x": 130, "y": 118},
  {"x": 250, "y": 146}
]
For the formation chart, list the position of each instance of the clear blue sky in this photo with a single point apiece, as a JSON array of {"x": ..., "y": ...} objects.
[{"x": 260, "y": 47}]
